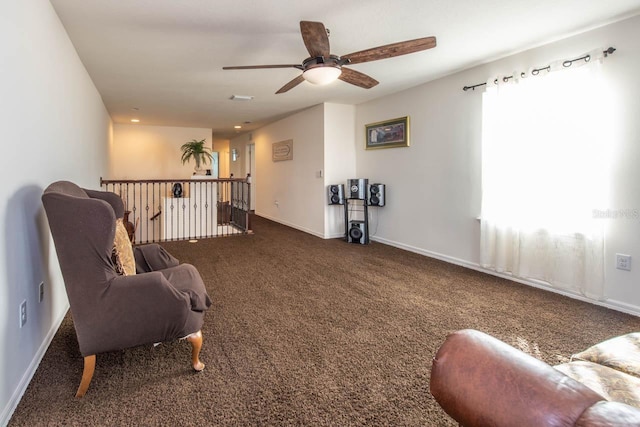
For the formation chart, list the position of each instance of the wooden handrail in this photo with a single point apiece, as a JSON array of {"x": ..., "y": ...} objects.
[{"x": 156, "y": 181}]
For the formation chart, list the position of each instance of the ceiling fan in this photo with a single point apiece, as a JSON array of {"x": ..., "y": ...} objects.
[{"x": 322, "y": 67}]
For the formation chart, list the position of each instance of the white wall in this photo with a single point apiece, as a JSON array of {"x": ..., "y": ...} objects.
[
  {"x": 323, "y": 153},
  {"x": 222, "y": 147},
  {"x": 239, "y": 143},
  {"x": 152, "y": 152},
  {"x": 339, "y": 160},
  {"x": 433, "y": 186},
  {"x": 293, "y": 184},
  {"x": 54, "y": 126}
]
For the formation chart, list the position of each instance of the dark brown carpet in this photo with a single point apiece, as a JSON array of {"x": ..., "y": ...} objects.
[{"x": 305, "y": 331}]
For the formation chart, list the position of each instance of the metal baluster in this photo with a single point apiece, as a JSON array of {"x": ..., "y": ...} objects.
[
  {"x": 146, "y": 214},
  {"x": 153, "y": 203},
  {"x": 184, "y": 209},
  {"x": 170, "y": 218},
  {"x": 133, "y": 210},
  {"x": 248, "y": 227},
  {"x": 219, "y": 213}
]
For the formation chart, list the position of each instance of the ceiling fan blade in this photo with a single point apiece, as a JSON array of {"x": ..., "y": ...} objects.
[
  {"x": 254, "y": 67},
  {"x": 293, "y": 83},
  {"x": 315, "y": 38},
  {"x": 357, "y": 78},
  {"x": 391, "y": 50}
]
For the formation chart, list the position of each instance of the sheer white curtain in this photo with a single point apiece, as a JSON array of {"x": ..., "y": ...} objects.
[{"x": 544, "y": 171}]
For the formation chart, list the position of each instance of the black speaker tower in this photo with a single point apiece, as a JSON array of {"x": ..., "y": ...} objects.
[
  {"x": 357, "y": 188},
  {"x": 336, "y": 194},
  {"x": 359, "y": 194},
  {"x": 358, "y": 232},
  {"x": 376, "y": 195}
]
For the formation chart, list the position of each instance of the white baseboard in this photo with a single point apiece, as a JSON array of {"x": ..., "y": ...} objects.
[
  {"x": 288, "y": 224},
  {"x": 612, "y": 304},
  {"x": 12, "y": 404},
  {"x": 335, "y": 236}
]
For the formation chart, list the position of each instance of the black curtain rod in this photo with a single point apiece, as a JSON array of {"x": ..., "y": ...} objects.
[{"x": 536, "y": 71}]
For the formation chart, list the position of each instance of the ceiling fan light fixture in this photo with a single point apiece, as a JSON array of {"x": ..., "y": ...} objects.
[{"x": 322, "y": 75}]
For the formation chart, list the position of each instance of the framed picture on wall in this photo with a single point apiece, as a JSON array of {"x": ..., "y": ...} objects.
[
  {"x": 387, "y": 134},
  {"x": 282, "y": 150}
]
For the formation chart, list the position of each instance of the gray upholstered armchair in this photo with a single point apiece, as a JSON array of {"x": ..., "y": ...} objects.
[{"x": 112, "y": 307}]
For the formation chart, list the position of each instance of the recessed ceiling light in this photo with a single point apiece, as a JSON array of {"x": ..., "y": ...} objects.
[
  {"x": 237, "y": 127},
  {"x": 241, "y": 97},
  {"x": 135, "y": 120}
]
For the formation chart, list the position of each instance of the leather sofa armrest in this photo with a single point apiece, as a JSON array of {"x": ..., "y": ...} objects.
[
  {"x": 607, "y": 414},
  {"x": 479, "y": 380}
]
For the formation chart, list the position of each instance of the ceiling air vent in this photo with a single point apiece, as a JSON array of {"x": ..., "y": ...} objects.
[{"x": 241, "y": 98}]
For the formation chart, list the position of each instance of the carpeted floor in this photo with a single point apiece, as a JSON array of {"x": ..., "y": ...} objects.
[{"x": 309, "y": 332}]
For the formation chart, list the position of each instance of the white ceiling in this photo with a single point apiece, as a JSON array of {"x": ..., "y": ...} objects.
[{"x": 165, "y": 57}]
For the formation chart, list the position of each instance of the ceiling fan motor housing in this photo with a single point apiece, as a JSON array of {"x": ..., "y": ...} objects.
[{"x": 320, "y": 61}]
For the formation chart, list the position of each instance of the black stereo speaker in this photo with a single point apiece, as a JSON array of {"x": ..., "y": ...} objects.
[
  {"x": 357, "y": 188},
  {"x": 376, "y": 195},
  {"x": 336, "y": 194},
  {"x": 357, "y": 232},
  {"x": 177, "y": 190}
]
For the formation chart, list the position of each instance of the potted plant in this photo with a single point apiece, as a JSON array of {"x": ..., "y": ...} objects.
[{"x": 196, "y": 150}]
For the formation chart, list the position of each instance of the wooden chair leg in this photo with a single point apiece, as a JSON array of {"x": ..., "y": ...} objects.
[
  {"x": 196, "y": 344},
  {"x": 87, "y": 374}
]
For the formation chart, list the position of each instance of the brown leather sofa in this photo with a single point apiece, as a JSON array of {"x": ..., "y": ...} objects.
[{"x": 481, "y": 381}]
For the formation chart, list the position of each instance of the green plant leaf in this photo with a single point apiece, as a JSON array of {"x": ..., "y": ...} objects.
[{"x": 195, "y": 149}]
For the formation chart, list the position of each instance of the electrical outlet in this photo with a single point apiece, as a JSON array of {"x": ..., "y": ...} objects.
[
  {"x": 41, "y": 292},
  {"x": 623, "y": 262},
  {"x": 23, "y": 313}
]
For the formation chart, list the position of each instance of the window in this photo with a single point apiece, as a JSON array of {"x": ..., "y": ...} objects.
[{"x": 545, "y": 170}]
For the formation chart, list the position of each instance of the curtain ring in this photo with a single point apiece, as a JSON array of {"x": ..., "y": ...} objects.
[
  {"x": 567, "y": 64},
  {"x": 587, "y": 58}
]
